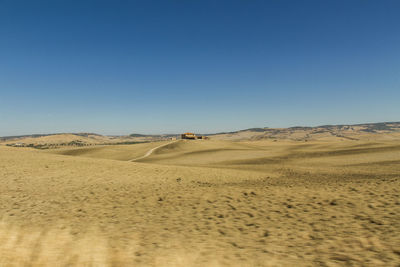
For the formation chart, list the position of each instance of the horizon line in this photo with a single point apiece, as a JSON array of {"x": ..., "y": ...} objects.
[{"x": 214, "y": 133}]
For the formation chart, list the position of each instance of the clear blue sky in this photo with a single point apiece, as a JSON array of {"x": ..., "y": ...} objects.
[{"x": 119, "y": 67}]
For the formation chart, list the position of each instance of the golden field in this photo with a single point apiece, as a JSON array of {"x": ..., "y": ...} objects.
[{"x": 203, "y": 203}]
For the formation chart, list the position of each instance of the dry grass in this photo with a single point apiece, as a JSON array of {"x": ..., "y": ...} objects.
[{"x": 203, "y": 203}]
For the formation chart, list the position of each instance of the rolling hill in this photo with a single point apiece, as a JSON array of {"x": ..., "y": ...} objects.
[
  {"x": 202, "y": 203},
  {"x": 367, "y": 131}
]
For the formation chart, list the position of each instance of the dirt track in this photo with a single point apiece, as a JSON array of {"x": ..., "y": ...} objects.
[{"x": 148, "y": 153}]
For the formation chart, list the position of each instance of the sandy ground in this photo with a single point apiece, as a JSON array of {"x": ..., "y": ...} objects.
[{"x": 202, "y": 203}]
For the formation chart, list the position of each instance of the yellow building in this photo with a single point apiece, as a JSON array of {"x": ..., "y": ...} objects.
[
  {"x": 188, "y": 136},
  {"x": 192, "y": 136}
]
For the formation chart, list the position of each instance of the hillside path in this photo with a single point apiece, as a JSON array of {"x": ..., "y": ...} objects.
[{"x": 152, "y": 150}]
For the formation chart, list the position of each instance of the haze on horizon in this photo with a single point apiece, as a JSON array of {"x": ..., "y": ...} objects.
[{"x": 170, "y": 66}]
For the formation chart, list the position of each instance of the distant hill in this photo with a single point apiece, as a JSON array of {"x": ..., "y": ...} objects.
[
  {"x": 365, "y": 131},
  {"x": 381, "y": 130},
  {"x": 3, "y": 138},
  {"x": 45, "y": 141},
  {"x": 138, "y": 135}
]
